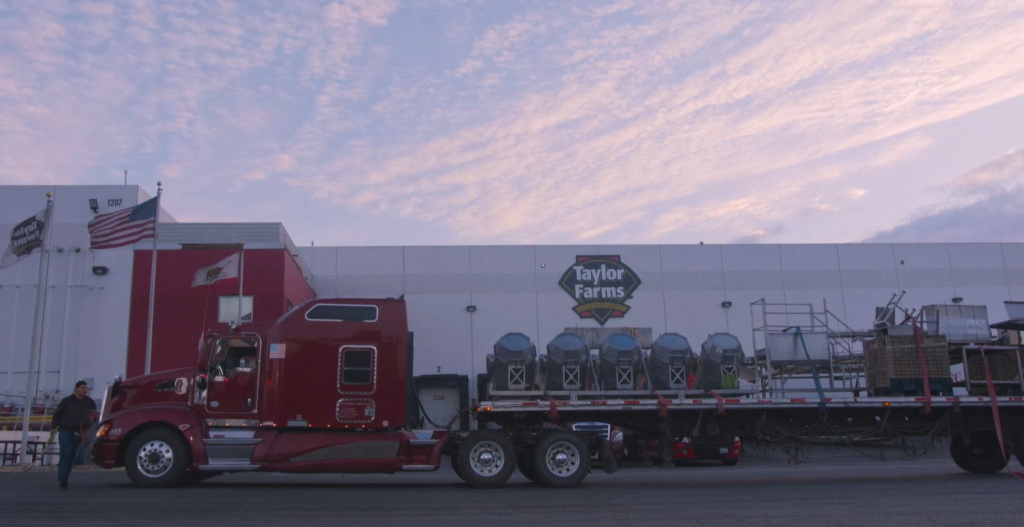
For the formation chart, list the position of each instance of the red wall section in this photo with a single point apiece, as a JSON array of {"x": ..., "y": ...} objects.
[
  {"x": 182, "y": 313},
  {"x": 296, "y": 289}
]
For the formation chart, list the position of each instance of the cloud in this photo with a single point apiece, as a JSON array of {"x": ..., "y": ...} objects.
[
  {"x": 989, "y": 207},
  {"x": 541, "y": 122},
  {"x": 656, "y": 104}
]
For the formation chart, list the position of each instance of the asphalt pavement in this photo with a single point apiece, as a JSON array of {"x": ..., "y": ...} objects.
[{"x": 829, "y": 488}]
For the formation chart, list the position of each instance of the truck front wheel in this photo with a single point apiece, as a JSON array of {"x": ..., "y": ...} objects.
[
  {"x": 157, "y": 458},
  {"x": 978, "y": 454},
  {"x": 486, "y": 459},
  {"x": 561, "y": 460}
]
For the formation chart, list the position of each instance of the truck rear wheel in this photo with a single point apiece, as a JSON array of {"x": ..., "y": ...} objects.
[
  {"x": 157, "y": 458},
  {"x": 486, "y": 459},
  {"x": 561, "y": 460},
  {"x": 978, "y": 454},
  {"x": 524, "y": 460}
]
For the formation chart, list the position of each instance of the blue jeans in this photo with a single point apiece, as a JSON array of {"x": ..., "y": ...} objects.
[{"x": 69, "y": 443}]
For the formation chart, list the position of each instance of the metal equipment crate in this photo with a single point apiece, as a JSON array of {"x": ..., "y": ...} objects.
[
  {"x": 1003, "y": 363},
  {"x": 895, "y": 357}
]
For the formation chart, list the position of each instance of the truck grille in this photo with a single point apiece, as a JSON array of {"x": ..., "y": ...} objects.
[{"x": 604, "y": 429}]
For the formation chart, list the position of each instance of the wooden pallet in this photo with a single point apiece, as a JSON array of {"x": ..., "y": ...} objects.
[{"x": 895, "y": 357}]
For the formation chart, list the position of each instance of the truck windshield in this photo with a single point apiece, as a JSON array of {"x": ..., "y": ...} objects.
[{"x": 233, "y": 355}]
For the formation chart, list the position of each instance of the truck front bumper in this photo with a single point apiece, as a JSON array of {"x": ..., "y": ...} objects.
[{"x": 104, "y": 453}]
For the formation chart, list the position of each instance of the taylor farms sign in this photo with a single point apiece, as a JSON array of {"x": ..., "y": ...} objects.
[{"x": 600, "y": 285}]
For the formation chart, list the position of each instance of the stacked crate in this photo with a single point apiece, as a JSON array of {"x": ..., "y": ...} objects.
[
  {"x": 894, "y": 366},
  {"x": 1002, "y": 364}
]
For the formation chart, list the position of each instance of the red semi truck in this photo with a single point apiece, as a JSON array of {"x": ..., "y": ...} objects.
[{"x": 327, "y": 388}]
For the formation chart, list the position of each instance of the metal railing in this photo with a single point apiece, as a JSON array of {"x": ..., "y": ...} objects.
[{"x": 845, "y": 362}]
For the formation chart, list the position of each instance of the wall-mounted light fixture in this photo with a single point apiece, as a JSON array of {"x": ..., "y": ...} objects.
[
  {"x": 94, "y": 204},
  {"x": 727, "y": 304},
  {"x": 470, "y": 309},
  {"x": 100, "y": 270},
  {"x": 958, "y": 299}
]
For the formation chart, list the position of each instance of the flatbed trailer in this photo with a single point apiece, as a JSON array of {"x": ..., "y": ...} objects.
[
  {"x": 970, "y": 422},
  {"x": 328, "y": 388}
]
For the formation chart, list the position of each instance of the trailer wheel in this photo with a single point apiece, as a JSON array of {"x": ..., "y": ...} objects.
[
  {"x": 157, "y": 458},
  {"x": 486, "y": 459},
  {"x": 980, "y": 455},
  {"x": 561, "y": 460},
  {"x": 524, "y": 460}
]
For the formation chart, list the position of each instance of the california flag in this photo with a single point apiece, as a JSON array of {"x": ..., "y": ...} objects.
[{"x": 226, "y": 268}]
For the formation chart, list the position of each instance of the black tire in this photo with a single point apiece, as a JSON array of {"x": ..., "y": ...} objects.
[
  {"x": 157, "y": 458},
  {"x": 678, "y": 463},
  {"x": 193, "y": 478},
  {"x": 486, "y": 459},
  {"x": 730, "y": 462},
  {"x": 979, "y": 455},
  {"x": 455, "y": 467},
  {"x": 524, "y": 461},
  {"x": 561, "y": 460}
]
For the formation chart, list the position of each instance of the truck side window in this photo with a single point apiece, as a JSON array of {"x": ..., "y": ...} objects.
[
  {"x": 232, "y": 356},
  {"x": 357, "y": 367}
]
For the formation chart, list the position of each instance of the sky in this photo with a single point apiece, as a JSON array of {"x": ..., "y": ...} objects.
[{"x": 431, "y": 122}]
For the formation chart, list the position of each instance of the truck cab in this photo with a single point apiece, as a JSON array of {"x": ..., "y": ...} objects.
[{"x": 322, "y": 389}]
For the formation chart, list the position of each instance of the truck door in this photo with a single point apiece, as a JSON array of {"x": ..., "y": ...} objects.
[{"x": 233, "y": 375}]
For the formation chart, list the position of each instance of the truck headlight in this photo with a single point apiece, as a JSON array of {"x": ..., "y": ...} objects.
[{"x": 101, "y": 432}]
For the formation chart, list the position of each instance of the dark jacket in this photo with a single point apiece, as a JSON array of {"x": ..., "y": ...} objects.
[{"x": 74, "y": 413}]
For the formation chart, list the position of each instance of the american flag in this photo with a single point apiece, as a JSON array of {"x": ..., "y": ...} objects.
[
  {"x": 277, "y": 351},
  {"x": 124, "y": 227}
]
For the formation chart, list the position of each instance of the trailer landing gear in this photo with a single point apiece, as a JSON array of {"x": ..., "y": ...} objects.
[{"x": 977, "y": 452}]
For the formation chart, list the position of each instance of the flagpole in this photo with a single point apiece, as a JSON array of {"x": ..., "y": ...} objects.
[
  {"x": 152, "y": 282},
  {"x": 241, "y": 279},
  {"x": 34, "y": 351}
]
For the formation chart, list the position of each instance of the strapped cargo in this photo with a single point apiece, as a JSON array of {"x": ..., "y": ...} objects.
[
  {"x": 671, "y": 356},
  {"x": 567, "y": 364},
  {"x": 719, "y": 363},
  {"x": 620, "y": 362},
  {"x": 513, "y": 366}
]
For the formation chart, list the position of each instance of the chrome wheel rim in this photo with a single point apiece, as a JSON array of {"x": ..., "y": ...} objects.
[
  {"x": 486, "y": 458},
  {"x": 155, "y": 458},
  {"x": 562, "y": 459}
]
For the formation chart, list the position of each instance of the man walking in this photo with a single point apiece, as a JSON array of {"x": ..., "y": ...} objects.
[{"x": 73, "y": 418}]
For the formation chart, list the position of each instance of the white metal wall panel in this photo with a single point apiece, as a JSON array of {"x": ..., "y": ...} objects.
[
  {"x": 503, "y": 290},
  {"x": 694, "y": 289},
  {"x": 437, "y": 291},
  {"x": 752, "y": 272},
  {"x": 868, "y": 273},
  {"x": 1013, "y": 258},
  {"x": 323, "y": 269},
  {"x": 923, "y": 271},
  {"x": 370, "y": 272},
  {"x": 810, "y": 274},
  {"x": 979, "y": 275}
]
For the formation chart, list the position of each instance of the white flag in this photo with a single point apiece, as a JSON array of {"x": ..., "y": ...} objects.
[
  {"x": 222, "y": 270},
  {"x": 26, "y": 237}
]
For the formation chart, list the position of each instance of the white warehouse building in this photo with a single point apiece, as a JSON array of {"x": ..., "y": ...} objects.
[{"x": 462, "y": 299}]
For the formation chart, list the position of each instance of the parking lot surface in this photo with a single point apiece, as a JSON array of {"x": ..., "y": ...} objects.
[{"x": 828, "y": 488}]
